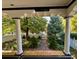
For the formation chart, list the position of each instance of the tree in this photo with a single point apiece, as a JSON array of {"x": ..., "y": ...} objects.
[
  {"x": 63, "y": 22},
  {"x": 34, "y": 24},
  {"x": 74, "y": 23},
  {"x": 8, "y": 24},
  {"x": 55, "y": 28}
]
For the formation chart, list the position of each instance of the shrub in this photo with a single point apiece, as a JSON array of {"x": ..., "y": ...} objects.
[
  {"x": 60, "y": 47},
  {"x": 52, "y": 43},
  {"x": 14, "y": 47},
  {"x": 55, "y": 32},
  {"x": 23, "y": 37},
  {"x": 60, "y": 38},
  {"x": 26, "y": 45},
  {"x": 33, "y": 42},
  {"x": 73, "y": 52},
  {"x": 73, "y": 35}
]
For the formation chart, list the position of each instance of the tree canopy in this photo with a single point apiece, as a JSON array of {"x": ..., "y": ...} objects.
[
  {"x": 73, "y": 23},
  {"x": 8, "y": 24},
  {"x": 34, "y": 24}
]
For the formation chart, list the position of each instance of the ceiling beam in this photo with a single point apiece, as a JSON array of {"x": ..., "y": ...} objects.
[
  {"x": 35, "y": 8},
  {"x": 71, "y": 3}
]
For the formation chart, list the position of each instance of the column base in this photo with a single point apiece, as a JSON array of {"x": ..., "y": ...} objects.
[
  {"x": 67, "y": 54},
  {"x": 19, "y": 54}
]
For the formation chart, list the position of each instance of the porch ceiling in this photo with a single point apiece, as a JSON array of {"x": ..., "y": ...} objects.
[
  {"x": 17, "y": 8},
  {"x": 34, "y": 3}
]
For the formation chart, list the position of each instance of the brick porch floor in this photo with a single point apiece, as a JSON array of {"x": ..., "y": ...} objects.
[{"x": 36, "y": 52}]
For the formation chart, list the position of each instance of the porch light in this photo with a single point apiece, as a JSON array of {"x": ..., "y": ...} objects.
[{"x": 11, "y": 3}]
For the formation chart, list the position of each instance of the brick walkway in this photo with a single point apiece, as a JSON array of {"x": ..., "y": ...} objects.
[{"x": 43, "y": 44}]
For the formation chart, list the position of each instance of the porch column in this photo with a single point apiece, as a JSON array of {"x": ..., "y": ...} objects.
[
  {"x": 18, "y": 37},
  {"x": 67, "y": 37}
]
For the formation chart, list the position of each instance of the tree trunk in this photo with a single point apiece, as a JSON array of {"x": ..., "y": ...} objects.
[{"x": 27, "y": 33}]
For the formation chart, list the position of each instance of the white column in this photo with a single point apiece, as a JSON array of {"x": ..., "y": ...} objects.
[
  {"x": 67, "y": 37},
  {"x": 18, "y": 37}
]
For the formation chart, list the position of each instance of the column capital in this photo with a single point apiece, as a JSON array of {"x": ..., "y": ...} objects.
[
  {"x": 68, "y": 17},
  {"x": 15, "y": 17}
]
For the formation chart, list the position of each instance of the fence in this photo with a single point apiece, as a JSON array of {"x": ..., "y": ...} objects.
[{"x": 73, "y": 43}]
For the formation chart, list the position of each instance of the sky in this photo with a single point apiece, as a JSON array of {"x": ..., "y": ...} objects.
[{"x": 47, "y": 18}]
